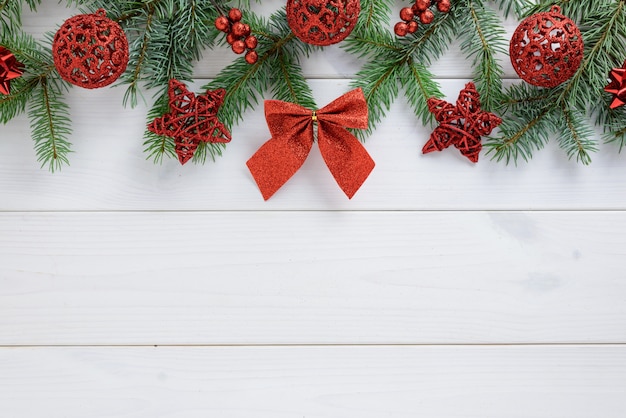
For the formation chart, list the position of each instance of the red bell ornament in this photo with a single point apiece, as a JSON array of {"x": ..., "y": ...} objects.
[
  {"x": 90, "y": 50},
  {"x": 546, "y": 48},
  {"x": 322, "y": 22}
]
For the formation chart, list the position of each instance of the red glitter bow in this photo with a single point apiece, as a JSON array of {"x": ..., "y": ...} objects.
[
  {"x": 617, "y": 86},
  {"x": 10, "y": 68},
  {"x": 192, "y": 119},
  {"x": 461, "y": 125},
  {"x": 291, "y": 127}
]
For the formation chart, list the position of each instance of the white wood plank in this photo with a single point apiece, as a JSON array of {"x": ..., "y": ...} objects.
[
  {"x": 109, "y": 170},
  {"x": 312, "y": 277},
  {"x": 364, "y": 382}
]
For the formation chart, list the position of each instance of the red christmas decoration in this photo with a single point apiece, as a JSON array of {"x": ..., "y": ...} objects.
[
  {"x": 617, "y": 86},
  {"x": 461, "y": 125},
  {"x": 10, "y": 68},
  {"x": 192, "y": 119},
  {"x": 420, "y": 11},
  {"x": 546, "y": 48},
  {"x": 322, "y": 22},
  {"x": 292, "y": 130},
  {"x": 238, "y": 34},
  {"x": 90, "y": 51}
]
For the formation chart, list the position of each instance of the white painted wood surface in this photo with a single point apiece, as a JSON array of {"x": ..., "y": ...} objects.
[{"x": 443, "y": 289}]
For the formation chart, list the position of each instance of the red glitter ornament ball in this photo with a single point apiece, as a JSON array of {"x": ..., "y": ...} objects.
[
  {"x": 322, "y": 22},
  {"x": 546, "y": 48},
  {"x": 90, "y": 50}
]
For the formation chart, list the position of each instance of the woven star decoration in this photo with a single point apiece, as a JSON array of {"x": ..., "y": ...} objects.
[
  {"x": 192, "y": 119},
  {"x": 461, "y": 125},
  {"x": 617, "y": 86},
  {"x": 10, "y": 68}
]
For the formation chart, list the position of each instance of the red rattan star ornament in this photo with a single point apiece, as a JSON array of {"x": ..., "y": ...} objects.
[
  {"x": 192, "y": 119},
  {"x": 10, "y": 68},
  {"x": 617, "y": 86},
  {"x": 461, "y": 125}
]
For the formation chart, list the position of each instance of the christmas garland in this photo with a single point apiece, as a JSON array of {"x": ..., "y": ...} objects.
[{"x": 569, "y": 53}]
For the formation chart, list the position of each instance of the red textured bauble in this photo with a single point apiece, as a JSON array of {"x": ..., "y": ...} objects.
[
  {"x": 322, "y": 22},
  {"x": 546, "y": 48},
  {"x": 90, "y": 51}
]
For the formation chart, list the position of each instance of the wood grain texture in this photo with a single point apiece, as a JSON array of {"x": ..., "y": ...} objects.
[
  {"x": 312, "y": 277},
  {"x": 367, "y": 382}
]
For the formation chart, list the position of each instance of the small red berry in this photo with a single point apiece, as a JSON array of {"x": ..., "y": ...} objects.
[
  {"x": 406, "y": 14},
  {"x": 427, "y": 17},
  {"x": 239, "y": 47},
  {"x": 422, "y": 5},
  {"x": 401, "y": 29},
  {"x": 252, "y": 57},
  {"x": 235, "y": 15},
  {"x": 443, "y": 6},
  {"x": 230, "y": 38},
  {"x": 412, "y": 26},
  {"x": 238, "y": 29},
  {"x": 251, "y": 42},
  {"x": 222, "y": 23},
  {"x": 246, "y": 29}
]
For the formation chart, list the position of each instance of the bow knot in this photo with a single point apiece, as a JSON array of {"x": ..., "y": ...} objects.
[{"x": 291, "y": 127}]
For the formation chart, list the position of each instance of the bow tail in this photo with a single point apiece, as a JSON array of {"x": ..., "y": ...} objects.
[
  {"x": 346, "y": 158},
  {"x": 277, "y": 161}
]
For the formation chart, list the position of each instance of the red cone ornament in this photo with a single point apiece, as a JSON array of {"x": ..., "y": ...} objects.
[
  {"x": 322, "y": 22},
  {"x": 90, "y": 51},
  {"x": 546, "y": 48}
]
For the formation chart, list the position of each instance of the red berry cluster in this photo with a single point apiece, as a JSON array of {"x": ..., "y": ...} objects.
[
  {"x": 419, "y": 11},
  {"x": 238, "y": 34}
]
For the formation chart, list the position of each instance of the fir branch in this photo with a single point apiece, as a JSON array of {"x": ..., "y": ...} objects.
[
  {"x": 37, "y": 66},
  {"x": 294, "y": 87},
  {"x": 372, "y": 44},
  {"x": 158, "y": 146},
  {"x": 374, "y": 15},
  {"x": 603, "y": 31},
  {"x": 419, "y": 86},
  {"x": 525, "y": 126},
  {"x": 483, "y": 37},
  {"x": 516, "y": 6},
  {"x": 14, "y": 104},
  {"x": 431, "y": 41},
  {"x": 50, "y": 125},
  {"x": 379, "y": 82},
  {"x": 137, "y": 57},
  {"x": 11, "y": 13},
  {"x": 574, "y": 9},
  {"x": 246, "y": 84},
  {"x": 520, "y": 136},
  {"x": 576, "y": 137}
]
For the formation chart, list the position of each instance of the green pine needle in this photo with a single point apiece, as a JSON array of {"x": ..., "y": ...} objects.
[
  {"x": 419, "y": 86},
  {"x": 379, "y": 82},
  {"x": 50, "y": 125},
  {"x": 482, "y": 41}
]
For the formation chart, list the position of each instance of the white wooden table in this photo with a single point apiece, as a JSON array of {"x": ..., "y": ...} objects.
[{"x": 443, "y": 289}]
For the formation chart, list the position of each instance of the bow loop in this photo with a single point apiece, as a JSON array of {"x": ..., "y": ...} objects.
[
  {"x": 291, "y": 127},
  {"x": 349, "y": 111},
  {"x": 285, "y": 118}
]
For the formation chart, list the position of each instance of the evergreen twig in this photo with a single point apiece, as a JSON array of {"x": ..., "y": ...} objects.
[{"x": 563, "y": 110}]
